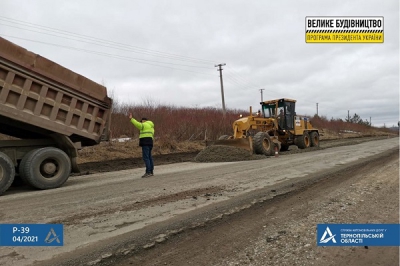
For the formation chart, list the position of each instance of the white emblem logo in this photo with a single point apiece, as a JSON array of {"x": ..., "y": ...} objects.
[
  {"x": 50, "y": 239},
  {"x": 325, "y": 239}
]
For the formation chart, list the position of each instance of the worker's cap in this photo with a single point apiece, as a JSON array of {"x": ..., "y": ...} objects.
[{"x": 143, "y": 118}]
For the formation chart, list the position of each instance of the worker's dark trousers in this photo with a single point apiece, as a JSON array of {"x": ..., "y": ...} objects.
[{"x": 148, "y": 158}]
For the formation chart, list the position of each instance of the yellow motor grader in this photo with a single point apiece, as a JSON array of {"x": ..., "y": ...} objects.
[{"x": 275, "y": 127}]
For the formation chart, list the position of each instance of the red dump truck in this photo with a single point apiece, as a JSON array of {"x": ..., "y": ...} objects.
[{"x": 50, "y": 112}]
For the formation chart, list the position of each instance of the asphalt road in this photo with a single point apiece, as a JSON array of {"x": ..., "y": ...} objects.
[{"x": 114, "y": 214}]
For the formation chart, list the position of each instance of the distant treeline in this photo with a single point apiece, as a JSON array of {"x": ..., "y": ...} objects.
[{"x": 184, "y": 123}]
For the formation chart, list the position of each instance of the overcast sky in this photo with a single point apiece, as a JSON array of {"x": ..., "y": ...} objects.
[{"x": 166, "y": 51}]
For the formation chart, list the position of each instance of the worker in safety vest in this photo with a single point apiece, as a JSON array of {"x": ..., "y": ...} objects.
[{"x": 146, "y": 137}]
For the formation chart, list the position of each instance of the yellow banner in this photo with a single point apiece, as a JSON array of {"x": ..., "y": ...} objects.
[{"x": 344, "y": 37}]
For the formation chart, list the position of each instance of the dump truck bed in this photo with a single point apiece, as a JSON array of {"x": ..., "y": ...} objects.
[{"x": 39, "y": 97}]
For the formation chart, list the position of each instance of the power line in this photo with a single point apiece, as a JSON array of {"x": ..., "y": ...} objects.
[
  {"x": 19, "y": 24},
  {"x": 28, "y": 24},
  {"x": 238, "y": 79},
  {"x": 235, "y": 81},
  {"x": 99, "y": 43},
  {"x": 97, "y": 40},
  {"x": 110, "y": 55},
  {"x": 249, "y": 84},
  {"x": 115, "y": 45},
  {"x": 244, "y": 79}
]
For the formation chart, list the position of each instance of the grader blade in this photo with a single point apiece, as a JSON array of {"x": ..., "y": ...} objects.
[{"x": 244, "y": 143}]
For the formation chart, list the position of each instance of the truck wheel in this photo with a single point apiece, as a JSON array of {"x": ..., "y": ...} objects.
[
  {"x": 314, "y": 137},
  {"x": 262, "y": 144},
  {"x": 223, "y": 137},
  {"x": 21, "y": 166},
  {"x": 303, "y": 142},
  {"x": 46, "y": 168},
  {"x": 7, "y": 172}
]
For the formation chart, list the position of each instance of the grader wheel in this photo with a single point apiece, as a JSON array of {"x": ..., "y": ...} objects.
[
  {"x": 304, "y": 142},
  {"x": 262, "y": 144},
  {"x": 314, "y": 137}
]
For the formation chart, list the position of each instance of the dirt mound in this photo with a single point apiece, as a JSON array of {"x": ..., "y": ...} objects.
[{"x": 219, "y": 153}]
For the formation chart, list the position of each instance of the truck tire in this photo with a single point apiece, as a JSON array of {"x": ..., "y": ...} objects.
[
  {"x": 47, "y": 168},
  {"x": 303, "y": 142},
  {"x": 7, "y": 172},
  {"x": 314, "y": 139},
  {"x": 262, "y": 144},
  {"x": 21, "y": 166}
]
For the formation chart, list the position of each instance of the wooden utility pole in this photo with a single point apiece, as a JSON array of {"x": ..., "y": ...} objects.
[
  {"x": 261, "y": 90},
  {"x": 222, "y": 87}
]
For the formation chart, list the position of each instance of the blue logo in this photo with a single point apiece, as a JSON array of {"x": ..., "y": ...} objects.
[{"x": 358, "y": 235}]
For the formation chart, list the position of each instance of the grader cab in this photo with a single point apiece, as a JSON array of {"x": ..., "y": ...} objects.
[{"x": 275, "y": 127}]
